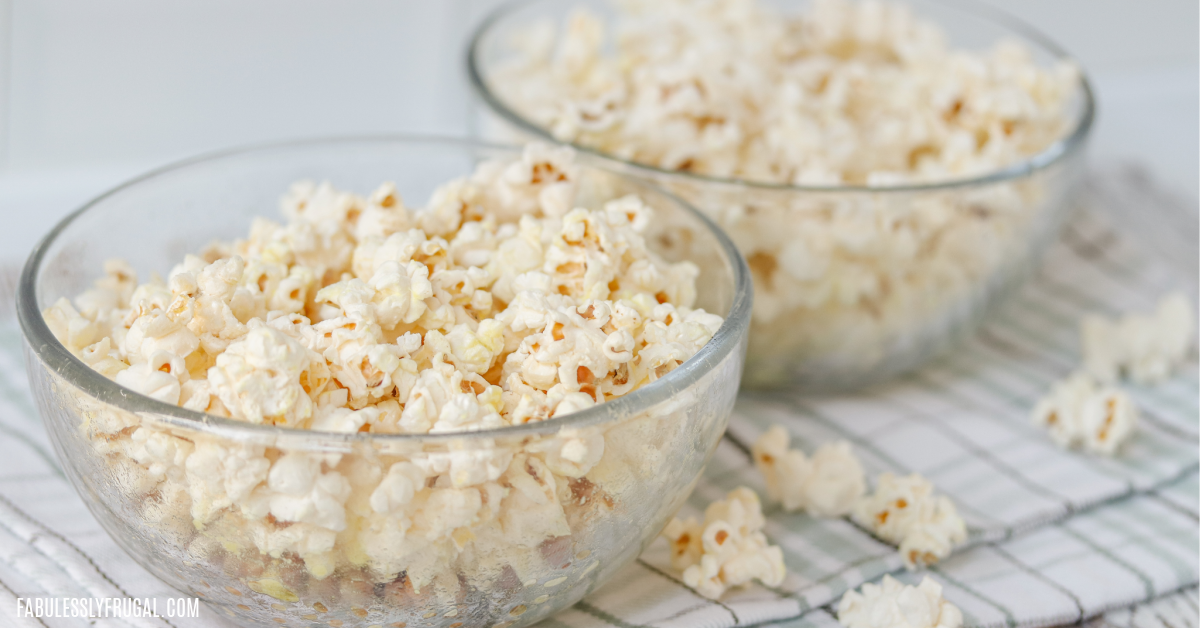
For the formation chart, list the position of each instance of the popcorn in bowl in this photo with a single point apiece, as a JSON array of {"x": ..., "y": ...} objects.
[
  {"x": 435, "y": 320},
  {"x": 881, "y": 182},
  {"x": 460, "y": 411}
]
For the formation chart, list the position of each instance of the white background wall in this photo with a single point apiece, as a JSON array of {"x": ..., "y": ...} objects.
[{"x": 92, "y": 92}]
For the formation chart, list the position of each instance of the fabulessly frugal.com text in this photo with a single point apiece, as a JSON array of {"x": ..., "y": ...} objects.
[{"x": 101, "y": 607}]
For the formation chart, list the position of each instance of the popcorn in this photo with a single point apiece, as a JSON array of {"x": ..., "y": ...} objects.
[
  {"x": 155, "y": 331},
  {"x": 729, "y": 550},
  {"x": 311, "y": 543},
  {"x": 683, "y": 535},
  {"x": 222, "y": 474},
  {"x": 302, "y": 493},
  {"x": 160, "y": 376},
  {"x": 531, "y": 513},
  {"x": 1080, "y": 413},
  {"x": 828, "y": 485},
  {"x": 464, "y": 466},
  {"x": 1145, "y": 347},
  {"x": 891, "y": 604},
  {"x": 449, "y": 509},
  {"x": 397, "y": 488},
  {"x": 502, "y": 301},
  {"x": 783, "y": 469},
  {"x": 572, "y": 454},
  {"x": 112, "y": 291},
  {"x": 102, "y": 357},
  {"x": 163, "y": 455},
  {"x": 475, "y": 350},
  {"x": 334, "y": 419},
  {"x": 1108, "y": 419},
  {"x": 904, "y": 511},
  {"x": 261, "y": 378},
  {"x": 835, "y": 481},
  {"x": 71, "y": 328},
  {"x": 1059, "y": 412},
  {"x": 843, "y": 94}
]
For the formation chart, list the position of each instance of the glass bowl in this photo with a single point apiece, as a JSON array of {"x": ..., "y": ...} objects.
[
  {"x": 523, "y": 553},
  {"x": 932, "y": 259}
]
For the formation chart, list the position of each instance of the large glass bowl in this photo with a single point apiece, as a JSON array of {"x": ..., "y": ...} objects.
[
  {"x": 501, "y": 571},
  {"x": 884, "y": 305}
]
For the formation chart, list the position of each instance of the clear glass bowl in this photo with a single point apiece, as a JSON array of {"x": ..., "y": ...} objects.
[
  {"x": 976, "y": 238},
  {"x": 511, "y": 567}
]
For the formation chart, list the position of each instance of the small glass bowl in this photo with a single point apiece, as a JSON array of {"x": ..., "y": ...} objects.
[
  {"x": 814, "y": 333},
  {"x": 505, "y": 569}
]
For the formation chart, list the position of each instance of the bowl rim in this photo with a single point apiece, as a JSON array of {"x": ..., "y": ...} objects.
[
  {"x": 1070, "y": 143},
  {"x": 42, "y": 343}
]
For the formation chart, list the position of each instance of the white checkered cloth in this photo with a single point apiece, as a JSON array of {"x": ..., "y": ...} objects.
[
  {"x": 1055, "y": 536},
  {"x": 1178, "y": 610}
]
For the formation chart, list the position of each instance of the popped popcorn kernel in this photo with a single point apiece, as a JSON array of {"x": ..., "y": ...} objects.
[
  {"x": 262, "y": 378},
  {"x": 906, "y": 512},
  {"x": 1108, "y": 419},
  {"x": 69, "y": 326},
  {"x": 891, "y": 604},
  {"x": 827, "y": 485},
  {"x": 1079, "y": 412},
  {"x": 728, "y": 550},
  {"x": 835, "y": 481},
  {"x": 1146, "y": 348}
]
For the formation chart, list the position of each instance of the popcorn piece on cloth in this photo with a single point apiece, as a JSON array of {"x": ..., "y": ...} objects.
[
  {"x": 905, "y": 511},
  {"x": 783, "y": 469},
  {"x": 1080, "y": 413},
  {"x": 828, "y": 485},
  {"x": 891, "y": 604},
  {"x": 728, "y": 550},
  {"x": 1147, "y": 348}
]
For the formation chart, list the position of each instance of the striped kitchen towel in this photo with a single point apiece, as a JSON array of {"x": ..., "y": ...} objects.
[{"x": 1055, "y": 536}]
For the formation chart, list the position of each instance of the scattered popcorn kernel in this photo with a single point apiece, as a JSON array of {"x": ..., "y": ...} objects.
[
  {"x": 1146, "y": 348},
  {"x": 835, "y": 482},
  {"x": 783, "y": 469},
  {"x": 1059, "y": 412},
  {"x": 684, "y": 537},
  {"x": 904, "y": 511},
  {"x": 891, "y": 604},
  {"x": 1107, "y": 419},
  {"x": 828, "y": 485},
  {"x": 1080, "y": 413},
  {"x": 728, "y": 550}
]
